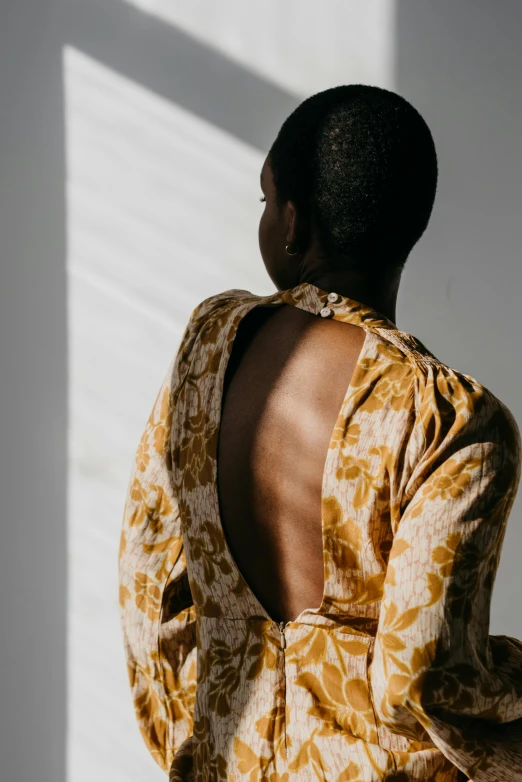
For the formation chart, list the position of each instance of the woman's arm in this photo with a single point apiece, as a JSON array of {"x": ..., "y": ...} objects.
[
  {"x": 435, "y": 662},
  {"x": 156, "y": 605}
]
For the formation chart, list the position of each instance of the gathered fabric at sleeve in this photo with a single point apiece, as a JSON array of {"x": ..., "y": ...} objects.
[
  {"x": 157, "y": 613},
  {"x": 437, "y": 674}
]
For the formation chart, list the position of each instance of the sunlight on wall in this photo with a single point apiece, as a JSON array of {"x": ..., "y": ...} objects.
[
  {"x": 299, "y": 44},
  {"x": 163, "y": 210}
]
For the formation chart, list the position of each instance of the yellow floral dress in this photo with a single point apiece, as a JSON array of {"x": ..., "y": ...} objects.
[{"x": 395, "y": 676}]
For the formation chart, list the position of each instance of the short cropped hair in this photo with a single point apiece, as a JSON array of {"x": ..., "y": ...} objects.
[{"x": 361, "y": 161}]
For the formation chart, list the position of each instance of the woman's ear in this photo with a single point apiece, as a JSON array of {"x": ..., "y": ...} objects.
[
  {"x": 292, "y": 226},
  {"x": 299, "y": 229}
]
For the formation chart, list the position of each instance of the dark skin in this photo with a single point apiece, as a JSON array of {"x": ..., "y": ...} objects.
[
  {"x": 279, "y": 227},
  {"x": 286, "y": 381}
]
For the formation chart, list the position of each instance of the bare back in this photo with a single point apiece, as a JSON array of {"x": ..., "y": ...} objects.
[{"x": 285, "y": 384}]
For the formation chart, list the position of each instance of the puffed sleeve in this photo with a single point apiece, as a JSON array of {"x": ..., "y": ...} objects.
[
  {"x": 157, "y": 613},
  {"x": 437, "y": 673}
]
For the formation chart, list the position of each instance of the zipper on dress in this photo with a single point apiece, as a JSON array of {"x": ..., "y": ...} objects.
[{"x": 282, "y": 627}]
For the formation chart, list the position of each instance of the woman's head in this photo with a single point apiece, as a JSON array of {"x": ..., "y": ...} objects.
[{"x": 349, "y": 183}]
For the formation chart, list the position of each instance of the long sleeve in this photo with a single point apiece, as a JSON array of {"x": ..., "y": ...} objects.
[
  {"x": 437, "y": 674},
  {"x": 157, "y": 614}
]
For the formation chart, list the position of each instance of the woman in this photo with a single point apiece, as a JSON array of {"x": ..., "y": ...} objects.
[{"x": 317, "y": 505}]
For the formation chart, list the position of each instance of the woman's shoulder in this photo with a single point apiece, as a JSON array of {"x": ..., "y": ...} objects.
[
  {"x": 216, "y": 301},
  {"x": 435, "y": 378},
  {"x": 452, "y": 417},
  {"x": 203, "y": 327},
  {"x": 452, "y": 408}
]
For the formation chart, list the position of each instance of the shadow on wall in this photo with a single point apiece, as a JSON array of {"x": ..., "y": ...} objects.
[
  {"x": 33, "y": 325},
  {"x": 188, "y": 73},
  {"x": 460, "y": 65}
]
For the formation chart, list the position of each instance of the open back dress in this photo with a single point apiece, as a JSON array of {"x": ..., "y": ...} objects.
[{"x": 395, "y": 676}]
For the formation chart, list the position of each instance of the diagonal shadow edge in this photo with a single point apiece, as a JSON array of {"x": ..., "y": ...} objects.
[{"x": 176, "y": 66}]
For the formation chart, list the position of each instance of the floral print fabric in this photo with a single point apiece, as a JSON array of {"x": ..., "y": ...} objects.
[{"x": 395, "y": 676}]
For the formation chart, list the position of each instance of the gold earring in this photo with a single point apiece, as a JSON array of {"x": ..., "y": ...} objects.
[{"x": 288, "y": 251}]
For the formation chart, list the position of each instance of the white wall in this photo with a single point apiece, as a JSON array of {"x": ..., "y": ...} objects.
[
  {"x": 459, "y": 64},
  {"x": 290, "y": 43},
  {"x": 163, "y": 162},
  {"x": 33, "y": 393}
]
